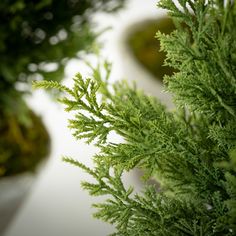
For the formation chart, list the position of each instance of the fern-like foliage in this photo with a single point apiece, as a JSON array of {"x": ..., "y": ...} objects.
[{"x": 190, "y": 151}]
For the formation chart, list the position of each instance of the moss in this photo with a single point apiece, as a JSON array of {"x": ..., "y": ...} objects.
[
  {"x": 22, "y": 145},
  {"x": 145, "y": 47}
]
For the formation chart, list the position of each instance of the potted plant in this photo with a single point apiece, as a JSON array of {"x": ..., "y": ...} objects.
[
  {"x": 190, "y": 151},
  {"x": 145, "y": 47},
  {"x": 36, "y": 41},
  {"x": 141, "y": 59}
]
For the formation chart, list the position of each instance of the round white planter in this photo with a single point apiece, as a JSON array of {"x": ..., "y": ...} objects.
[{"x": 13, "y": 190}]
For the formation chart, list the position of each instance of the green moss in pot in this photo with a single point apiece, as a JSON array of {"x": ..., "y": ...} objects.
[{"x": 145, "y": 47}]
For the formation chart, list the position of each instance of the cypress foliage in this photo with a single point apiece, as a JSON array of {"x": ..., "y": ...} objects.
[{"x": 190, "y": 151}]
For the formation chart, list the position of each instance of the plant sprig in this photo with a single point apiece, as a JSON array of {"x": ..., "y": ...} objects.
[{"x": 188, "y": 151}]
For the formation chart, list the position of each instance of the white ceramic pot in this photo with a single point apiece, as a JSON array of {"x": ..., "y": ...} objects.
[{"x": 13, "y": 190}]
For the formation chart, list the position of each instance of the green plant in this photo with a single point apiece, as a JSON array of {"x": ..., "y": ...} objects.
[
  {"x": 22, "y": 146},
  {"x": 37, "y": 38},
  {"x": 190, "y": 151},
  {"x": 146, "y": 48}
]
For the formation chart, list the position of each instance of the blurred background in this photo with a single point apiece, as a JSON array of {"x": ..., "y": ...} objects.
[{"x": 49, "y": 40}]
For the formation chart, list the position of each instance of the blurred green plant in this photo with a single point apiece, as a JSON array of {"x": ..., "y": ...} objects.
[
  {"x": 22, "y": 146},
  {"x": 37, "y": 38},
  {"x": 146, "y": 48}
]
